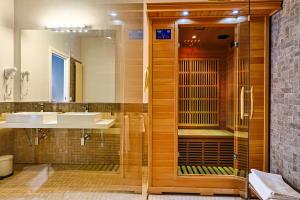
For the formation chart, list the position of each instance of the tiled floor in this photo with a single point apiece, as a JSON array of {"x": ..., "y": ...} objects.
[
  {"x": 188, "y": 197},
  {"x": 51, "y": 182},
  {"x": 60, "y": 182}
]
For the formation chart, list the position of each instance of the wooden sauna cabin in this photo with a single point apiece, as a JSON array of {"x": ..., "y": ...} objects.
[{"x": 208, "y": 95}]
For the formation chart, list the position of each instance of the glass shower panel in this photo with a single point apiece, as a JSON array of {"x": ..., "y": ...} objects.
[
  {"x": 110, "y": 52},
  {"x": 243, "y": 98}
]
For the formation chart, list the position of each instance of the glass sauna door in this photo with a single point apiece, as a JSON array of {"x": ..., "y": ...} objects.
[{"x": 243, "y": 94}]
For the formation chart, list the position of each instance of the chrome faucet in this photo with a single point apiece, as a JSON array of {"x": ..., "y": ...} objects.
[
  {"x": 86, "y": 107},
  {"x": 42, "y": 107}
]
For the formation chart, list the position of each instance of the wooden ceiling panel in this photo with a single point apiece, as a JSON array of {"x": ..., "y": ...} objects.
[
  {"x": 213, "y": 8},
  {"x": 206, "y": 37}
]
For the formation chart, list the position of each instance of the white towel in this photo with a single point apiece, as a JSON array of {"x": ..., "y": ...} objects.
[{"x": 272, "y": 186}]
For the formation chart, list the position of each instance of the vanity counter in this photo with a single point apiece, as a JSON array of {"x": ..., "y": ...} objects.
[{"x": 102, "y": 124}]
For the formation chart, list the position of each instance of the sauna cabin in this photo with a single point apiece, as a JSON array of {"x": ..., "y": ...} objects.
[{"x": 208, "y": 95}]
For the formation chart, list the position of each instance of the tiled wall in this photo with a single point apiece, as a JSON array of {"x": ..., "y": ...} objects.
[
  {"x": 6, "y": 135},
  {"x": 285, "y": 93},
  {"x": 62, "y": 146}
]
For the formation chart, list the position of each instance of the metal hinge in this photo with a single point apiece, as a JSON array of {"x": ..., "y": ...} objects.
[
  {"x": 235, "y": 156},
  {"x": 234, "y": 44}
]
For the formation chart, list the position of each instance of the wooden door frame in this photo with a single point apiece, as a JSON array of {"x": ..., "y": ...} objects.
[
  {"x": 234, "y": 180},
  {"x": 178, "y": 25}
]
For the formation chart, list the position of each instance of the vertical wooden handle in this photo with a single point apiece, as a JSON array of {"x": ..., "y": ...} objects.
[
  {"x": 242, "y": 102},
  {"x": 251, "y": 96}
]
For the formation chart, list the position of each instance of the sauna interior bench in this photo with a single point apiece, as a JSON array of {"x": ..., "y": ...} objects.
[{"x": 185, "y": 133}]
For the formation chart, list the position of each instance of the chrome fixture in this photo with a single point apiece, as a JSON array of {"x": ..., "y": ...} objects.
[
  {"x": 9, "y": 75},
  {"x": 42, "y": 107},
  {"x": 102, "y": 138},
  {"x": 43, "y": 135},
  {"x": 36, "y": 138},
  {"x": 84, "y": 137},
  {"x": 86, "y": 107},
  {"x": 40, "y": 134}
]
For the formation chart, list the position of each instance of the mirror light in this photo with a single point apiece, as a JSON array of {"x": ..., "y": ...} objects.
[{"x": 69, "y": 28}]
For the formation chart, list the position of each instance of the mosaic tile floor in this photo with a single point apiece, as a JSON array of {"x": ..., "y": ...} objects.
[{"x": 47, "y": 182}]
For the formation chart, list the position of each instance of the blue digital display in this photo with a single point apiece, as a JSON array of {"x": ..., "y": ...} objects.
[{"x": 163, "y": 34}]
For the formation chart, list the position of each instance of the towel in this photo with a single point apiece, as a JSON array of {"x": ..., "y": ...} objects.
[{"x": 272, "y": 186}]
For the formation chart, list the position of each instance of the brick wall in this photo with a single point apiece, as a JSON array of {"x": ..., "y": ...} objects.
[{"x": 285, "y": 93}]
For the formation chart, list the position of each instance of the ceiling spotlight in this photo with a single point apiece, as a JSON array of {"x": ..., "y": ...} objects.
[
  {"x": 185, "y": 13},
  {"x": 235, "y": 12},
  {"x": 108, "y": 37},
  {"x": 113, "y": 14},
  {"x": 194, "y": 37}
]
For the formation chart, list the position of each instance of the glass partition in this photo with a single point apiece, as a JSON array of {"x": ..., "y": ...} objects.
[
  {"x": 82, "y": 59},
  {"x": 214, "y": 96}
]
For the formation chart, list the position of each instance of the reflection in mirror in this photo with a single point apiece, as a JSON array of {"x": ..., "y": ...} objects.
[{"x": 68, "y": 66}]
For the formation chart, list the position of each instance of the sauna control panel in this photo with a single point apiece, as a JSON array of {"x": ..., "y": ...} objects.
[{"x": 163, "y": 34}]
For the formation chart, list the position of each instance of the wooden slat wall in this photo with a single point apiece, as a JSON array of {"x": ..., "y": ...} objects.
[
  {"x": 194, "y": 53},
  {"x": 258, "y": 79},
  {"x": 163, "y": 105},
  {"x": 199, "y": 92},
  {"x": 206, "y": 151}
]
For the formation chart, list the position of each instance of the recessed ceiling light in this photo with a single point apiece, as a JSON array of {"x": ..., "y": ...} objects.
[
  {"x": 235, "y": 12},
  {"x": 185, "y": 13},
  {"x": 113, "y": 14},
  {"x": 194, "y": 37}
]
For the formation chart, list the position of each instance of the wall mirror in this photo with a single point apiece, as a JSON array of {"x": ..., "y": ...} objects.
[{"x": 67, "y": 66}]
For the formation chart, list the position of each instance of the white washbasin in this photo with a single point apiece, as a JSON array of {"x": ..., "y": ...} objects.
[
  {"x": 79, "y": 118},
  {"x": 32, "y": 117}
]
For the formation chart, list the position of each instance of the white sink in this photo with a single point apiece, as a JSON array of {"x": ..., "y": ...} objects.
[
  {"x": 79, "y": 118},
  {"x": 32, "y": 117}
]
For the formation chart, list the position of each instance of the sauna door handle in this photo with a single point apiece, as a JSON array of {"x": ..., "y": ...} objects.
[
  {"x": 252, "y": 105},
  {"x": 242, "y": 102}
]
